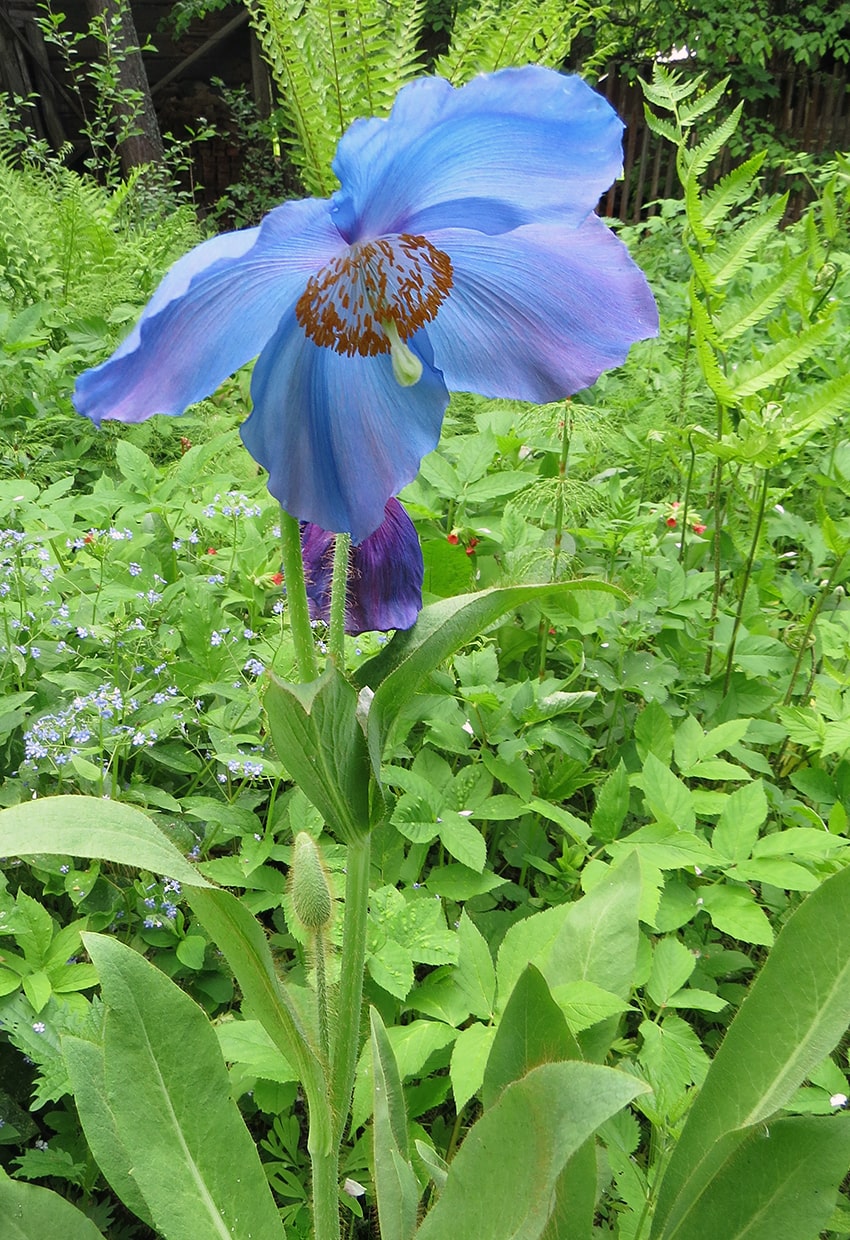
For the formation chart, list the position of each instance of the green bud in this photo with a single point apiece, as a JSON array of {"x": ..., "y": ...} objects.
[{"x": 311, "y": 895}]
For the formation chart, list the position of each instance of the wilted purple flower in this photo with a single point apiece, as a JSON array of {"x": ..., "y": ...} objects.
[{"x": 384, "y": 576}]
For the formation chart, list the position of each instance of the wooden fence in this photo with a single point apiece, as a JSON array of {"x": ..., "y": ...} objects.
[{"x": 810, "y": 112}]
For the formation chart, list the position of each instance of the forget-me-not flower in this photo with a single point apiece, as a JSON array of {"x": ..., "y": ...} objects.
[{"x": 461, "y": 252}]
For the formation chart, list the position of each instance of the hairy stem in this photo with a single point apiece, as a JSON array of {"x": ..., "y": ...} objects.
[
  {"x": 339, "y": 586},
  {"x": 296, "y": 597}
]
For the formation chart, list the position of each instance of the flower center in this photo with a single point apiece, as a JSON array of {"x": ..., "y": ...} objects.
[{"x": 376, "y": 294}]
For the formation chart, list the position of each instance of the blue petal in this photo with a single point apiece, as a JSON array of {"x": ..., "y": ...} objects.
[
  {"x": 539, "y": 313},
  {"x": 385, "y": 574},
  {"x": 509, "y": 148},
  {"x": 211, "y": 314},
  {"x": 337, "y": 434}
]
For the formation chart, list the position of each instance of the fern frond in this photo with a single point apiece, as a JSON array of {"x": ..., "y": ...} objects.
[
  {"x": 732, "y": 190},
  {"x": 497, "y": 33},
  {"x": 820, "y": 407},
  {"x": 742, "y": 313},
  {"x": 780, "y": 360},
  {"x": 332, "y": 64},
  {"x": 668, "y": 88},
  {"x": 699, "y": 157},
  {"x": 729, "y": 258}
]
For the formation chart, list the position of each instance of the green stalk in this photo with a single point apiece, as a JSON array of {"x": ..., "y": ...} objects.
[
  {"x": 296, "y": 597},
  {"x": 718, "y": 510},
  {"x": 817, "y": 607},
  {"x": 560, "y": 503},
  {"x": 326, "y": 1196},
  {"x": 687, "y": 499},
  {"x": 745, "y": 582},
  {"x": 339, "y": 586}
]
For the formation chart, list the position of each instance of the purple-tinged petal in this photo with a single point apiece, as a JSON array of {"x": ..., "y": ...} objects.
[
  {"x": 385, "y": 574},
  {"x": 337, "y": 434},
  {"x": 507, "y": 149},
  {"x": 539, "y": 313},
  {"x": 211, "y": 314}
]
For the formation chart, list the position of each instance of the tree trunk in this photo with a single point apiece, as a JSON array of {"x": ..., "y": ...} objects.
[{"x": 145, "y": 145}]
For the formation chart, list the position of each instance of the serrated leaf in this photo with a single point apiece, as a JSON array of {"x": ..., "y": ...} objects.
[
  {"x": 699, "y": 157},
  {"x": 779, "y": 360},
  {"x": 696, "y": 107},
  {"x": 821, "y": 405},
  {"x": 734, "y": 911},
  {"x": 729, "y": 258},
  {"x": 734, "y": 188},
  {"x": 741, "y": 313}
]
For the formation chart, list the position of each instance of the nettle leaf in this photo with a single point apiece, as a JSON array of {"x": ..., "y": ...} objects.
[
  {"x": 734, "y": 911},
  {"x": 672, "y": 965},
  {"x": 612, "y": 805},
  {"x": 469, "y": 1061},
  {"x": 475, "y": 974}
]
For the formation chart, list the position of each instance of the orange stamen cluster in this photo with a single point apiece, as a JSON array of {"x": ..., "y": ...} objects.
[{"x": 403, "y": 280}]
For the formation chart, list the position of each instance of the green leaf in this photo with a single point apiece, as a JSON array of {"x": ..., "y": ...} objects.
[
  {"x": 110, "y": 1147},
  {"x": 819, "y": 406},
  {"x": 462, "y": 839},
  {"x": 764, "y": 1058},
  {"x": 475, "y": 974},
  {"x": 734, "y": 911},
  {"x": 612, "y": 805},
  {"x": 442, "y": 628},
  {"x": 699, "y": 157},
  {"x": 730, "y": 257},
  {"x": 92, "y": 827},
  {"x": 778, "y": 1181},
  {"x": 469, "y": 1061},
  {"x": 501, "y": 1181},
  {"x": 741, "y": 313},
  {"x": 319, "y": 739},
  {"x": 738, "y": 826},
  {"x": 734, "y": 188},
  {"x": 245, "y": 947},
  {"x": 672, "y": 965},
  {"x": 33, "y": 1213},
  {"x": 780, "y": 360},
  {"x": 532, "y": 1031},
  {"x": 667, "y": 798},
  {"x": 198, "y": 1168},
  {"x": 585, "y": 1004},
  {"x": 396, "y": 1186}
]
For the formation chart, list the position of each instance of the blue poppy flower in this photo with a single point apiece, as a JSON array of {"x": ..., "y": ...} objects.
[
  {"x": 384, "y": 589},
  {"x": 461, "y": 252}
]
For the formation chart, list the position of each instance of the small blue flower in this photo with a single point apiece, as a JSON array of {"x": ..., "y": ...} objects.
[
  {"x": 461, "y": 252},
  {"x": 384, "y": 589}
]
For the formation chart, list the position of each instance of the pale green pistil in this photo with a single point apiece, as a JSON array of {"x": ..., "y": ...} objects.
[{"x": 407, "y": 367}]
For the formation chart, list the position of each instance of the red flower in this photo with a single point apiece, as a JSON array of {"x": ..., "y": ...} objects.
[
  {"x": 471, "y": 545},
  {"x": 671, "y": 521},
  {"x": 185, "y": 444},
  {"x": 453, "y": 538},
  {"x": 277, "y": 579},
  {"x": 211, "y": 551},
  {"x": 699, "y": 529}
]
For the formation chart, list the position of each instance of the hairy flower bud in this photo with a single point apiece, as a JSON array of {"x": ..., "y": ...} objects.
[{"x": 311, "y": 895}]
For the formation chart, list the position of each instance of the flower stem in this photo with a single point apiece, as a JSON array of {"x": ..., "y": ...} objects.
[
  {"x": 742, "y": 596},
  {"x": 296, "y": 597},
  {"x": 339, "y": 586}
]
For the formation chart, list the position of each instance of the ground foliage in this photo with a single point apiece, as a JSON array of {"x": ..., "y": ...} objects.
[{"x": 607, "y": 808}]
